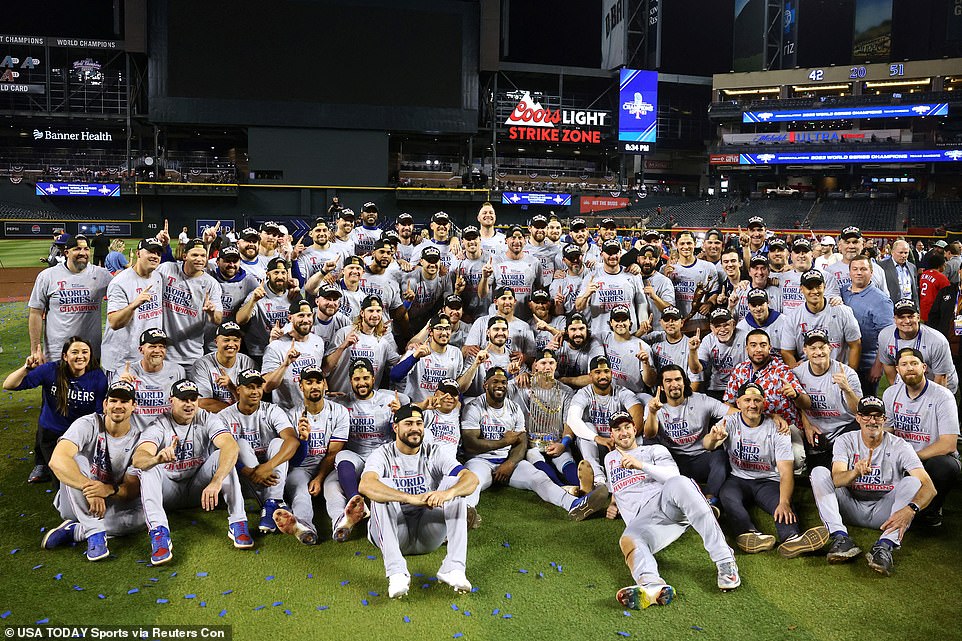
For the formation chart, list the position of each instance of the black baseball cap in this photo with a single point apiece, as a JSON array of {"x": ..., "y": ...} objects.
[
  {"x": 470, "y": 232},
  {"x": 152, "y": 245},
  {"x": 249, "y": 233},
  {"x": 250, "y": 375},
  {"x": 230, "y": 328},
  {"x": 539, "y": 220},
  {"x": 371, "y": 300},
  {"x": 851, "y": 232},
  {"x": 651, "y": 234},
  {"x": 492, "y": 320},
  {"x": 369, "y": 207},
  {"x": 599, "y": 361},
  {"x": 611, "y": 247},
  {"x": 406, "y": 412},
  {"x": 516, "y": 229},
  {"x": 440, "y": 319},
  {"x": 354, "y": 260},
  {"x": 571, "y": 252},
  {"x": 608, "y": 223},
  {"x": 650, "y": 249},
  {"x": 346, "y": 214},
  {"x": 73, "y": 241},
  {"x": 121, "y": 389},
  {"x": 270, "y": 225},
  {"x": 453, "y": 301},
  {"x": 777, "y": 243},
  {"x": 871, "y": 406},
  {"x": 184, "y": 389},
  {"x": 540, "y": 295},
  {"x": 578, "y": 223},
  {"x": 312, "y": 371},
  {"x": 714, "y": 232},
  {"x": 384, "y": 242},
  {"x": 153, "y": 335},
  {"x": 441, "y": 217},
  {"x": 328, "y": 290},
  {"x": 405, "y": 218},
  {"x": 757, "y": 296},
  {"x": 906, "y": 306},
  {"x": 494, "y": 371},
  {"x": 671, "y": 312},
  {"x": 758, "y": 261},
  {"x": 620, "y": 311},
  {"x": 547, "y": 353},
  {"x": 719, "y": 316},
  {"x": 756, "y": 221},
  {"x": 229, "y": 253},
  {"x": 449, "y": 386},
  {"x": 801, "y": 245},
  {"x": 391, "y": 235},
  {"x": 620, "y": 417},
  {"x": 278, "y": 263},
  {"x": 750, "y": 389},
  {"x": 501, "y": 291},
  {"x": 361, "y": 363},
  {"x": 812, "y": 277},
  {"x": 194, "y": 243},
  {"x": 298, "y": 306},
  {"x": 431, "y": 254},
  {"x": 576, "y": 317},
  {"x": 816, "y": 335}
]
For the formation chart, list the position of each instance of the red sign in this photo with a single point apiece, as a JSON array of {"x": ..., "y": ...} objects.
[
  {"x": 529, "y": 121},
  {"x": 589, "y": 205},
  {"x": 723, "y": 159}
]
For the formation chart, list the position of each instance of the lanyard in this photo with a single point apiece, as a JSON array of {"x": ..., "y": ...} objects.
[{"x": 918, "y": 339}]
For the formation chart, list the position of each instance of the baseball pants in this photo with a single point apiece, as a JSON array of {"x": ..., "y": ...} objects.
[
  {"x": 559, "y": 462},
  {"x": 119, "y": 518},
  {"x": 334, "y": 495},
  {"x": 398, "y": 530},
  {"x": 525, "y": 477},
  {"x": 737, "y": 493},
  {"x": 661, "y": 521},
  {"x": 158, "y": 491},
  {"x": 708, "y": 467},
  {"x": 248, "y": 458},
  {"x": 298, "y": 496},
  {"x": 836, "y": 503},
  {"x": 594, "y": 454}
]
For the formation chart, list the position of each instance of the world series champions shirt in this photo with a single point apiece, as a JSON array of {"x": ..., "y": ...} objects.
[
  {"x": 681, "y": 428},
  {"x": 429, "y": 371},
  {"x": 109, "y": 456},
  {"x": 331, "y": 425},
  {"x": 522, "y": 275},
  {"x": 443, "y": 429},
  {"x": 184, "y": 320},
  {"x": 72, "y": 303},
  {"x": 233, "y": 293},
  {"x": 195, "y": 441},
  {"x": 613, "y": 290},
  {"x": 493, "y": 423},
  {"x": 412, "y": 473},
  {"x": 936, "y": 353},
  {"x": 120, "y": 345},
  {"x": 380, "y": 350},
  {"x": 829, "y": 411},
  {"x": 311, "y": 352},
  {"x": 890, "y": 461},
  {"x": 206, "y": 371},
  {"x": 754, "y": 452},
  {"x": 687, "y": 278},
  {"x": 922, "y": 420},
  {"x": 267, "y": 312},
  {"x": 597, "y": 409},
  {"x": 633, "y": 489},
  {"x": 372, "y": 421},
  {"x": 152, "y": 391},
  {"x": 258, "y": 428},
  {"x": 722, "y": 358}
]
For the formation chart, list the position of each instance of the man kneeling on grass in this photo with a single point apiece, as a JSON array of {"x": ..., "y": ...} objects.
[
  {"x": 417, "y": 495},
  {"x": 762, "y": 467},
  {"x": 658, "y": 504}
]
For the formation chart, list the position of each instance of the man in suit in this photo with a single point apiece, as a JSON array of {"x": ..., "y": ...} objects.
[{"x": 901, "y": 276}]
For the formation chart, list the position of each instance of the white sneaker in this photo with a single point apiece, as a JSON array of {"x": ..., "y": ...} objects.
[
  {"x": 398, "y": 585},
  {"x": 728, "y": 578},
  {"x": 456, "y": 579}
]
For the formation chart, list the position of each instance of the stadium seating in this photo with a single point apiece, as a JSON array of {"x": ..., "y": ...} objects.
[
  {"x": 779, "y": 213},
  {"x": 935, "y": 213},
  {"x": 866, "y": 214}
]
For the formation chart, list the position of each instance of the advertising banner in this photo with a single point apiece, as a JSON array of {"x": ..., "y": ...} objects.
[
  {"x": 893, "y": 111},
  {"x": 99, "y": 190},
  {"x": 837, "y": 157},
  {"x": 28, "y": 229},
  {"x": 535, "y": 198},
  {"x": 638, "y": 97},
  {"x": 591, "y": 204},
  {"x": 613, "y": 34},
  {"x": 833, "y": 135}
]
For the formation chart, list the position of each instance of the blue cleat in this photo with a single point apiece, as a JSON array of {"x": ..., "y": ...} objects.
[
  {"x": 237, "y": 532},
  {"x": 97, "y": 546},
  {"x": 161, "y": 549},
  {"x": 61, "y": 535}
]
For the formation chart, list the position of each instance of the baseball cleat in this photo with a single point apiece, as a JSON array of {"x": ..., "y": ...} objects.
[
  {"x": 289, "y": 524},
  {"x": 267, "y": 525},
  {"x": 586, "y": 478},
  {"x": 638, "y": 597},
  {"x": 60, "y": 535},
  {"x": 587, "y": 505},
  {"x": 97, "y": 546},
  {"x": 812, "y": 540},
  {"x": 237, "y": 532},
  {"x": 355, "y": 512},
  {"x": 843, "y": 549},
  {"x": 754, "y": 542},
  {"x": 39, "y": 474},
  {"x": 474, "y": 519},
  {"x": 880, "y": 559},
  {"x": 456, "y": 579},
  {"x": 161, "y": 549},
  {"x": 398, "y": 585},
  {"x": 728, "y": 578}
]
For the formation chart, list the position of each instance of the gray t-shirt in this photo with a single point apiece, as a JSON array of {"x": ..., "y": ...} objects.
[
  {"x": 206, "y": 371},
  {"x": 935, "y": 349},
  {"x": 721, "y": 358},
  {"x": 520, "y": 336},
  {"x": 412, "y": 473},
  {"x": 838, "y": 321},
  {"x": 311, "y": 351},
  {"x": 382, "y": 352},
  {"x": 596, "y": 409},
  {"x": 384, "y": 286},
  {"x": 428, "y": 294},
  {"x": 522, "y": 275},
  {"x": 195, "y": 441},
  {"x": 428, "y": 372},
  {"x": 570, "y": 287},
  {"x": 443, "y": 430},
  {"x": 614, "y": 290},
  {"x": 790, "y": 284},
  {"x": 233, "y": 293},
  {"x": 634, "y": 489},
  {"x": 494, "y": 423},
  {"x": 575, "y": 362},
  {"x": 184, "y": 320},
  {"x": 922, "y": 420},
  {"x": 72, "y": 303},
  {"x": 331, "y": 425},
  {"x": 665, "y": 352},
  {"x": 687, "y": 278},
  {"x": 120, "y": 345},
  {"x": 372, "y": 421},
  {"x": 891, "y": 460},
  {"x": 829, "y": 412},
  {"x": 259, "y": 428},
  {"x": 754, "y": 452},
  {"x": 268, "y": 312},
  {"x": 109, "y": 456},
  {"x": 681, "y": 428},
  {"x": 622, "y": 355},
  {"x": 153, "y": 391}
]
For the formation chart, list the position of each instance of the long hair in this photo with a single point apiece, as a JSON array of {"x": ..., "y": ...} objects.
[
  {"x": 64, "y": 375},
  {"x": 379, "y": 330},
  {"x": 671, "y": 367}
]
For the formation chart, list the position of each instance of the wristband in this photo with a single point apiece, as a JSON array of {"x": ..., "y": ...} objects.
[
  {"x": 407, "y": 304},
  {"x": 566, "y": 441},
  {"x": 116, "y": 487},
  {"x": 912, "y": 506}
]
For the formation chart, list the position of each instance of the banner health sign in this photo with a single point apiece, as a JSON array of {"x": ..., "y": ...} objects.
[
  {"x": 638, "y": 97},
  {"x": 907, "y": 156},
  {"x": 891, "y": 111}
]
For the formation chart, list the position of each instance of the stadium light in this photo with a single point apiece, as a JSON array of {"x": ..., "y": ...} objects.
[{"x": 898, "y": 83}]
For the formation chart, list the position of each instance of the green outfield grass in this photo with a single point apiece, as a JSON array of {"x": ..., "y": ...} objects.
[
  {"x": 28, "y": 251},
  {"x": 538, "y": 575}
]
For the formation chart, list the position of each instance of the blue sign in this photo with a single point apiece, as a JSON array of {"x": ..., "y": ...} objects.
[
  {"x": 848, "y": 157},
  {"x": 534, "y": 198},
  {"x": 78, "y": 189},
  {"x": 889, "y": 111},
  {"x": 638, "y": 97}
]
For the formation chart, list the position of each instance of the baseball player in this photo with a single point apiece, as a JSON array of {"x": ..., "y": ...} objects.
[
  {"x": 267, "y": 306},
  {"x": 367, "y": 337},
  {"x": 762, "y": 473},
  {"x": 236, "y": 284},
  {"x": 285, "y": 357},
  {"x": 657, "y": 504},
  {"x": 266, "y": 440},
  {"x": 406, "y": 481},
  {"x": 442, "y": 416},
  {"x": 908, "y": 331},
  {"x": 370, "y": 412},
  {"x": 629, "y": 355},
  {"x": 877, "y": 481},
  {"x": 98, "y": 494},
  {"x": 430, "y": 362},
  {"x": 152, "y": 377},
  {"x": 216, "y": 372},
  {"x": 612, "y": 286},
  {"x": 323, "y": 428},
  {"x": 494, "y": 354},
  {"x": 186, "y": 457},
  {"x": 719, "y": 352}
]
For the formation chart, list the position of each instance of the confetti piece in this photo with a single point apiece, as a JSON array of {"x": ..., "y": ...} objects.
[
  {"x": 277, "y": 603},
  {"x": 14, "y": 550},
  {"x": 43, "y": 621},
  {"x": 288, "y": 612},
  {"x": 162, "y": 601},
  {"x": 203, "y": 604},
  {"x": 559, "y": 568},
  {"x": 153, "y": 579},
  {"x": 425, "y": 586},
  {"x": 418, "y": 574},
  {"x": 190, "y": 596},
  {"x": 260, "y": 607},
  {"x": 58, "y": 576},
  {"x": 454, "y": 607},
  {"x": 553, "y": 564},
  {"x": 344, "y": 582},
  {"x": 697, "y": 629},
  {"x": 495, "y": 612},
  {"x": 467, "y": 613},
  {"x": 474, "y": 589},
  {"x": 100, "y": 596},
  {"x": 357, "y": 553},
  {"x": 624, "y": 634},
  {"x": 227, "y": 592},
  {"x": 506, "y": 544},
  {"x": 133, "y": 591},
  {"x": 373, "y": 594},
  {"x": 78, "y": 588},
  {"x": 540, "y": 575},
  {"x": 457, "y": 635},
  {"x": 173, "y": 574},
  {"x": 626, "y": 613},
  {"x": 371, "y": 557},
  {"x": 37, "y": 567},
  {"x": 222, "y": 613},
  {"x": 522, "y": 571},
  {"x": 508, "y": 595},
  {"x": 5, "y": 614},
  {"x": 363, "y": 601},
  {"x": 506, "y": 616},
  {"x": 269, "y": 578},
  {"x": 323, "y": 607},
  {"x": 201, "y": 574},
  {"x": 310, "y": 576},
  {"x": 407, "y": 619}
]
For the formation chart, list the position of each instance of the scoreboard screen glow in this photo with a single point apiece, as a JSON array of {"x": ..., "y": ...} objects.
[
  {"x": 844, "y": 157},
  {"x": 638, "y": 112},
  {"x": 845, "y": 113}
]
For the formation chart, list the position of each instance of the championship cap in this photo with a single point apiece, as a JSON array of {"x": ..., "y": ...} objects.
[
  {"x": 470, "y": 232},
  {"x": 249, "y": 233},
  {"x": 369, "y": 207},
  {"x": 270, "y": 226},
  {"x": 813, "y": 277},
  {"x": 653, "y": 250},
  {"x": 611, "y": 247},
  {"x": 571, "y": 252},
  {"x": 906, "y": 306},
  {"x": 329, "y": 291},
  {"x": 714, "y": 232},
  {"x": 501, "y": 291},
  {"x": 283, "y": 230},
  {"x": 871, "y": 406},
  {"x": 758, "y": 261},
  {"x": 576, "y": 317},
  {"x": 230, "y": 328},
  {"x": 608, "y": 223},
  {"x": 152, "y": 245},
  {"x": 618, "y": 418},
  {"x": 815, "y": 336},
  {"x": 312, "y": 371},
  {"x": 777, "y": 243},
  {"x": 516, "y": 229},
  {"x": 494, "y": 371},
  {"x": 346, "y": 214},
  {"x": 354, "y": 260},
  {"x": 391, "y": 235},
  {"x": 62, "y": 239},
  {"x": 440, "y": 319},
  {"x": 453, "y": 301},
  {"x": 851, "y": 232},
  {"x": 578, "y": 223},
  {"x": 493, "y": 320},
  {"x": 540, "y": 296},
  {"x": 229, "y": 253},
  {"x": 74, "y": 241},
  {"x": 651, "y": 234},
  {"x": 598, "y": 362},
  {"x": 194, "y": 243},
  {"x": 405, "y": 218},
  {"x": 620, "y": 312},
  {"x": 941, "y": 244},
  {"x": 827, "y": 240},
  {"x": 361, "y": 363},
  {"x": 250, "y": 375},
  {"x": 755, "y": 296},
  {"x": 671, "y": 312},
  {"x": 756, "y": 221},
  {"x": 450, "y": 386},
  {"x": 441, "y": 218},
  {"x": 184, "y": 389},
  {"x": 121, "y": 389},
  {"x": 384, "y": 242},
  {"x": 300, "y": 306},
  {"x": 153, "y": 336},
  {"x": 431, "y": 254},
  {"x": 539, "y": 220},
  {"x": 750, "y": 389},
  {"x": 718, "y": 316},
  {"x": 370, "y": 301},
  {"x": 910, "y": 350},
  {"x": 547, "y": 353},
  {"x": 801, "y": 245},
  {"x": 406, "y": 412},
  {"x": 277, "y": 263}
]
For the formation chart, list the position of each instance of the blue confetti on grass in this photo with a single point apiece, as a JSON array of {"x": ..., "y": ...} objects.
[
  {"x": 697, "y": 629},
  {"x": 310, "y": 576},
  {"x": 406, "y": 619},
  {"x": 626, "y": 613},
  {"x": 553, "y": 564},
  {"x": 153, "y": 579},
  {"x": 457, "y": 635},
  {"x": 162, "y": 601},
  {"x": 101, "y": 596},
  {"x": 78, "y": 588},
  {"x": 363, "y": 601},
  {"x": 344, "y": 582},
  {"x": 425, "y": 586},
  {"x": 358, "y": 553},
  {"x": 203, "y": 604},
  {"x": 508, "y": 595},
  {"x": 495, "y": 612},
  {"x": 190, "y": 596},
  {"x": 222, "y": 613},
  {"x": 506, "y": 544},
  {"x": 371, "y": 557},
  {"x": 418, "y": 574},
  {"x": 474, "y": 589},
  {"x": 277, "y": 603},
  {"x": 269, "y": 577},
  {"x": 259, "y": 607},
  {"x": 454, "y": 607},
  {"x": 506, "y": 616},
  {"x": 58, "y": 576},
  {"x": 624, "y": 634},
  {"x": 133, "y": 591},
  {"x": 322, "y": 607},
  {"x": 173, "y": 574},
  {"x": 201, "y": 574},
  {"x": 288, "y": 612},
  {"x": 14, "y": 550},
  {"x": 522, "y": 571},
  {"x": 43, "y": 621},
  {"x": 372, "y": 593},
  {"x": 227, "y": 592},
  {"x": 37, "y": 567},
  {"x": 467, "y": 613},
  {"x": 540, "y": 575},
  {"x": 5, "y": 614}
]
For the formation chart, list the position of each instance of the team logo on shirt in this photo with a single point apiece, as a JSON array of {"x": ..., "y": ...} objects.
[
  {"x": 622, "y": 478},
  {"x": 747, "y": 456},
  {"x": 74, "y": 298}
]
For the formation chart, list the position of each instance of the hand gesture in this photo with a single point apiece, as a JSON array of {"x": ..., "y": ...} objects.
[
  {"x": 459, "y": 284},
  {"x": 695, "y": 341},
  {"x": 590, "y": 264},
  {"x": 864, "y": 465},
  {"x": 643, "y": 327},
  {"x": 555, "y": 342},
  {"x": 409, "y": 293},
  {"x": 35, "y": 358},
  {"x": 558, "y": 274},
  {"x": 718, "y": 431},
  {"x": 315, "y": 486},
  {"x": 669, "y": 268},
  {"x": 488, "y": 268},
  {"x": 840, "y": 379},
  {"x": 127, "y": 374},
  {"x": 395, "y": 403},
  {"x": 350, "y": 339},
  {"x": 208, "y": 306},
  {"x": 482, "y": 356},
  {"x": 559, "y": 299},
  {"x": 592, "y": 286},
  {"x": 329, "y": 267},
  {"x": 222, "y": 380},
  {"x": 612, "y": 512},
  {"x": 276, "y": 331},
  {"x": 644, "y": 356},
  {"x": 631, "y": 463},
  {"x": 292, "y": 354},
  {"x": 744, "y": 238},
  {"x": 655, "y": 403},
  {"x": 789, "y": 391},
  {"x": 259, "y": 291},
  {"x": 634, "y": 270},
  {"x": 169, "y": 453},
  {"x": 303, "y": 426},
  {"x": 145, "y": 295},
  {"x": 423, "y": 349}
]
